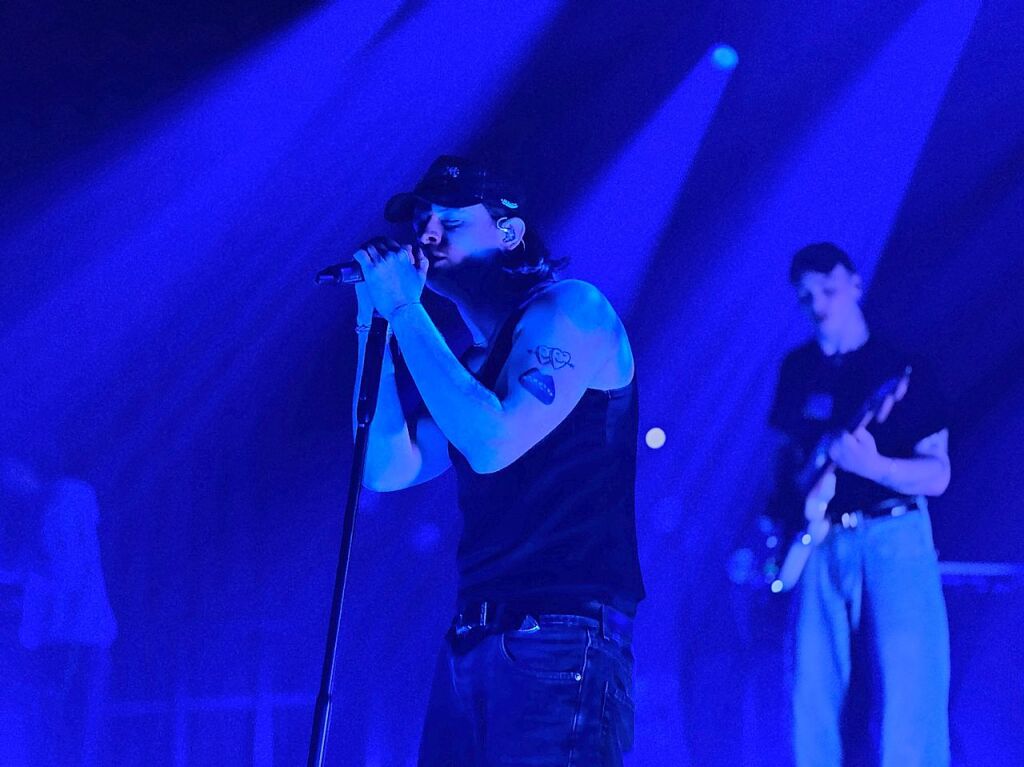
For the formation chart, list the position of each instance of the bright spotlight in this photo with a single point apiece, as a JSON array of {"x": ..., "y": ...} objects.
[
  {"x": 655, "y": 438},
  {"x": 725, "y": 57}
]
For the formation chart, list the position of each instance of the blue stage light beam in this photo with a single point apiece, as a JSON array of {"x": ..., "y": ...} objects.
[
  {"x": 844, "y": 182},
  {"x": 132, "y": 220},
  {"x": 617, "y": 227},
  {"x": 711, "y": 361},
  {"x": 198, "y": 232}
]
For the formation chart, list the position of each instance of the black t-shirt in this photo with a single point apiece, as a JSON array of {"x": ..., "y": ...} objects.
[{"x": 818, "y": 394}]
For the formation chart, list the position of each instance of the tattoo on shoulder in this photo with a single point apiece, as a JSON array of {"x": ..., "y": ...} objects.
[
  {"x": 552, "y": 357},
  {"x": 540, "y": 385}
]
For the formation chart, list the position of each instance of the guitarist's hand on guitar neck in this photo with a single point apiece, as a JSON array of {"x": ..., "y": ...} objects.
[
  {"x": 853, "y": 451},
  {"x": 856, "y": 452},
  {"x": 817, "y": 504}
]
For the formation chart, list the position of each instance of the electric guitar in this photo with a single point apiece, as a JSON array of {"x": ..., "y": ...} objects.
[{"x": 790, "y": 548}]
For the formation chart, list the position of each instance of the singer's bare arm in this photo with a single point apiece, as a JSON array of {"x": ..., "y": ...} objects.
[
  {"x": 569, "y": 340},
  {"x": 397, "y": 456}
]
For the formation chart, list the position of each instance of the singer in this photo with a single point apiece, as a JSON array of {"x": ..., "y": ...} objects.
[{"x": 539, "y": 419}]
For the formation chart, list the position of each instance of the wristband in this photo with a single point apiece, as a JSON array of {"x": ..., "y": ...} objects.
[
  {"x": 364, "y": 330},
  {"x": 398, "y": 308}
]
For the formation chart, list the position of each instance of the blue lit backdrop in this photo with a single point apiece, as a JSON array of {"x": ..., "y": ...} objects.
[{"x": 173, "y": 177}]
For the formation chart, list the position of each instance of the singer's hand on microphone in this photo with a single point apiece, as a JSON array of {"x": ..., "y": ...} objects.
[{"x": 393, "y": 274}]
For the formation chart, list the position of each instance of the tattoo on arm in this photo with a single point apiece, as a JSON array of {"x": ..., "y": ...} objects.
[
  {"x": 552, "y": 357},
  {"x": 540, "y": 385}
]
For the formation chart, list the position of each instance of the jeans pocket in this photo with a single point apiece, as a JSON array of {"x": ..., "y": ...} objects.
[{"x": 550, "y": 652}]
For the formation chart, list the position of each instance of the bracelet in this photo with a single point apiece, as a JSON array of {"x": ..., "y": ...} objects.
[
  {"x": 402, "y": 306},
  {"x": 364, "y": 330}
]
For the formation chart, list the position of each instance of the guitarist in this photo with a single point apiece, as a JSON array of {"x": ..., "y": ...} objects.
[{"x": 873, "y": 577}]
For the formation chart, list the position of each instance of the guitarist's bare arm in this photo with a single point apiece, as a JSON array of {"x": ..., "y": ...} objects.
[{"x": 927, "y": 473}]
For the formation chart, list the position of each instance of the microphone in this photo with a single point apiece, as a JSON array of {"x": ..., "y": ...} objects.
[
  {"x": 345, "y": 273},
  {"x": 349, "y": 272}
]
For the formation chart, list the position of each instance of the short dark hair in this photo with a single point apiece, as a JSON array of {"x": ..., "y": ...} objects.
[
  {"x": 821, "y": 257},
  {"x": 531, "y": 262}
]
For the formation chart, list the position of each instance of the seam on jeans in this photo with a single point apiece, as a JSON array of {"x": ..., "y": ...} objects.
[
  {"x": 560, "y": 619},
  {"x": 452, "y": 679},
  {"x": 604, "y": 710},
  {"x": 573, "y": 733},
  {"x": 621, "y": 697}
]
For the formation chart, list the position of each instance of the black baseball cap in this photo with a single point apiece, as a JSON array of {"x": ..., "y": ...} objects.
[{"x": 456, "y": 182}]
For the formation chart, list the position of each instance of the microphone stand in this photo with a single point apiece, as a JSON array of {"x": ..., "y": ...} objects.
[{"x": 366, "y": 405}]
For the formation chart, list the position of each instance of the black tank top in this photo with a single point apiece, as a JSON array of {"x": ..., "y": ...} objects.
[{"x": 557, "y": 526}]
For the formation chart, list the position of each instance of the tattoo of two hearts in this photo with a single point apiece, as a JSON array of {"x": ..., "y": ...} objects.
[{"x": 539, "y": 384}]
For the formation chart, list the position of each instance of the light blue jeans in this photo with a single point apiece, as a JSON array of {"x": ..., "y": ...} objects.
[{"x": 877, "y": 582}]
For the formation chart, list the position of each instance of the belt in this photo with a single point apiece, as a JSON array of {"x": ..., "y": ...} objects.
[
  {"x": 498, "y": 617},
  {"x": 890, "y": 507}
]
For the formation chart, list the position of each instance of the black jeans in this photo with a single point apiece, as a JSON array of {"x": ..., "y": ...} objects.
[{"x": 557, "y": 690}]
